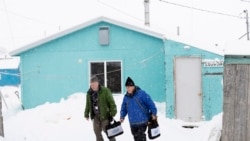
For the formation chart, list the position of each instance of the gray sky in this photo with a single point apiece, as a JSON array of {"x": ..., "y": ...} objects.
[{"x": 25, "y": 21}]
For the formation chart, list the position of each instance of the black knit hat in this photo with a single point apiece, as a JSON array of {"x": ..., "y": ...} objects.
[{"x": 129, "y": 82}]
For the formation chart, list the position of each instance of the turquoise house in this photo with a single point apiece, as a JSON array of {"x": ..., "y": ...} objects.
[{"x": 62, "y": 64}]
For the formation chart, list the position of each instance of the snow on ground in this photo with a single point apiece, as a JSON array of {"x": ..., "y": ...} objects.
[{"x": 65, "y": 121}]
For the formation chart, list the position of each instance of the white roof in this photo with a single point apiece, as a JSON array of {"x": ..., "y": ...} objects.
[
  {"x": 219, "y": 47},
  {"x": 238, "y": 47},
  {"x": 133, "y": 25},
  {"x": 136, "y": 27},
  {"x": 216, "y": 47},
  {"x": 228, "y": 47},
  {"x": 168, "y": 17}
]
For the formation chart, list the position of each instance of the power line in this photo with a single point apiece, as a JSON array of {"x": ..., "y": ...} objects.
[
  {"x": 27, "y": 18},
  {"x": 118, "y": 10},
  {"x": 247, "y": 23},
  {"x": 199, "y": 9}
]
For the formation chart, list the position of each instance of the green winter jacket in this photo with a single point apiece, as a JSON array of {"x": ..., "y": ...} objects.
[{"x": 106, "y": 104}]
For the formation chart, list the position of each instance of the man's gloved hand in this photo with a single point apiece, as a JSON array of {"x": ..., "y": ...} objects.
[{"x": 110, "y": 118}]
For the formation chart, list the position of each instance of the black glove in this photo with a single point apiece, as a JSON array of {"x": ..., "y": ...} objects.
[
  {"x": 110, "y": 118},
  {"x": 150, "y": 117}
]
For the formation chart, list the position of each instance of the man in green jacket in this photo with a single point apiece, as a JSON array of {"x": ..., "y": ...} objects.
[{"x": 100, "y": 107}]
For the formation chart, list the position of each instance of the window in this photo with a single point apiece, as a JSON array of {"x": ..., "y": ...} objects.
[
  {"x": 104, "y": 35},
  {"x": 109, "y": 73}
]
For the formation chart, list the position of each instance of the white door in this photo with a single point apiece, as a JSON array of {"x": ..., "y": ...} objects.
[{"x": 188, "y": 88}]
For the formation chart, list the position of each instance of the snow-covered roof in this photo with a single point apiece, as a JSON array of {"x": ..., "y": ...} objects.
[
  {"x": 135, "y": 27},
  {"x": 237, "y": 47},
  {"x": 216, "y": 47},
  {"x": 227, "y": 47},
  {"x": 219, "y": 47},
  {"x": 131, "y": 13},
  {"x": 9, "y": 63}
]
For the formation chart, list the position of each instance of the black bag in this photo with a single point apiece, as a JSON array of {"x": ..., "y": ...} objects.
[
  {"x": 153, "y": 129},
  {"x": 114, "y": 129}
]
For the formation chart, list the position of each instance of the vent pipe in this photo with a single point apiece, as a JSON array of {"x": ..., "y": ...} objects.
[{"x": 146, "y": 4}]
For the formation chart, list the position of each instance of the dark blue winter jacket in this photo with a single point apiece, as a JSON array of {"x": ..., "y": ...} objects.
[{"x": 138, "y": 106}]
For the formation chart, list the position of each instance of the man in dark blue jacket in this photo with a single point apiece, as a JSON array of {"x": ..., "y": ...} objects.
[{"x": 139, "y": 107}]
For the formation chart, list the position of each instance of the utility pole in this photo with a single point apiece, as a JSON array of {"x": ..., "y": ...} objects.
[
  {"x": 146, "y": 4},
  {"x": 247, "y": 23}
]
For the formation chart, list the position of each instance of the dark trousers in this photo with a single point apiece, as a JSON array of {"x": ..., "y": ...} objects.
[
  {"x": 139, "y": 132},
  {"x": 99, "y": 126}
]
